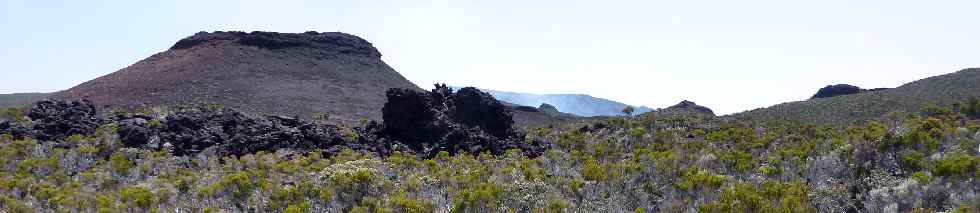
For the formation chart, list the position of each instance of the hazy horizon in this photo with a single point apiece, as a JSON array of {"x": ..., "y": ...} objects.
[{"x": 729, "y": 56}]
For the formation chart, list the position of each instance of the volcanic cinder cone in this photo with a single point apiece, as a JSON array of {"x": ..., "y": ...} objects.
[{"x": 260, "y": 72}]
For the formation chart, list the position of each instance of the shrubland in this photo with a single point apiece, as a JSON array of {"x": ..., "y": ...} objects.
[{"x": 656, "y": 162}]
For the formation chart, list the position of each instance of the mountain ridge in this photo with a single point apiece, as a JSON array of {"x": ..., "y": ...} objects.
[
  {"x": 577, "y": 104},
  {"x": 942, "y": 90}
]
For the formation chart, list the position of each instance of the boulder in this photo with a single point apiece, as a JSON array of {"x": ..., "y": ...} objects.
[
  {"x": 474, "y": 108},
  {"x": 134, "y": 132},
  {"x": 468, "y": 120}
]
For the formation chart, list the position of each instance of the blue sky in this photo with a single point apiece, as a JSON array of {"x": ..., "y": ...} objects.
[{"x": 727, "y": 55}]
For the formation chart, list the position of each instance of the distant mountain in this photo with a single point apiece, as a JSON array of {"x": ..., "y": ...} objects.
[
  {"x": 577, "y": 104},
  {"x": 20, "y": 99},
  {"x": 260, "y": 72},
  {"x": 943, "y": 90}
]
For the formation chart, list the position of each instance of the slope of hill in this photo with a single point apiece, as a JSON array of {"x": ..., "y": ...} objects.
[
  {"x": 259, "y": 72},
  {"x": 20, "y": 99},
  {"x": 940, "y": 90},
  {"x": 578, "y": 104}
]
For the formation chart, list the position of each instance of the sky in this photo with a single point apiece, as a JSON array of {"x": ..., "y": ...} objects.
[{"x": 731, "y": 56}]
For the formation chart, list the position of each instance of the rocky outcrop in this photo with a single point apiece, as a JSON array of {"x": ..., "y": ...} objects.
[
  {"x": 440, "y": 120},
  {"x": 841, "y": 89},
  {"x": 836, "y": 90},
  {"x": 333, "y": 41},
  {"x": 235, "y": 133},
  {"x": 55, "y": 120},
  {"x": 690, "y": 106}
]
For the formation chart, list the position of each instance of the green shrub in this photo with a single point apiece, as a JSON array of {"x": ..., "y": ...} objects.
[
  {"x": 955, "y": 165},
  {"x": 404, "y": 204},
  {"x": 238, "y": 184},
  {"x": 136, "y": 196},
  {"x": 120, "y": 163},
  {"x": 14, "y": 205},
  {"x": 972, "y": 108},
  {"x": 738, "y": 160},
  {"x": 693, "y": 179},
  {"x": 921, "y": 177},
  {"x": 591, "y": 170},
  {"x": 964, "y": 208},
  {"x": 298, "y": 208},
  {"x": 637, "y": 132},
  {"x": 556, "y": 206},
  {"x": 768, "y": 170},
  {"x": 770, "y": 197},
  {"x": 912, "y": 161},
  {"x": 481, "y": 198}
]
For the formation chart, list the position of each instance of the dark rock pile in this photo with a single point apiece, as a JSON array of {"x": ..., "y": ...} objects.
[
  {"x": 424, "y": 123},
  {"x": 468, "y": 120},
  {"x": 836, "y": 90},
  {"x": 841, "y": 89},
  {"x": 56, "y": 120},
  {"x": 233, "y": 133},
  {"x": 691, "y": 106}
]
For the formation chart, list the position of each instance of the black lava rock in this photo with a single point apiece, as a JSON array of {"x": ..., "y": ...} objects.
[
  {"x": 416, "y": 122},
  {"x": 56, "y": 120},
  {"x": 474, "y": 108},
  {"x": 836, "y": 90},
  {"x": 134, "y": 132},
  {"x": 440, "y": 120}
]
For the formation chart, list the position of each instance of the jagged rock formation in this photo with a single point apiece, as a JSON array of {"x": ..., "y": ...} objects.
[
  {"x": 258, "y": 73},
  {"x": 440, "y": 120},
  {"x": 55, "y": 120},
  {"x": 841, "y": 89},
  {"x": 690, "y": 106}
]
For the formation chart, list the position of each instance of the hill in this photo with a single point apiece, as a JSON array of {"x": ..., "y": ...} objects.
[
  {"x": 840, "y": 89},
  {"x": 686, "y": 105},
  {"x": 578, "y": 104},
  {"x": 943, "y": 90},
  {"x": 260, "y": 72},
  {"x": 20, "y": 99}
]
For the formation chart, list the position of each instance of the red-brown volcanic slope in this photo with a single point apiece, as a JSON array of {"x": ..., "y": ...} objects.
[{"x": 259, "y": 72}]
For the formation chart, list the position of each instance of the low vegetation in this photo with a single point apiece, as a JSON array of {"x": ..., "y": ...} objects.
[{"x": 655, "y": 162}]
